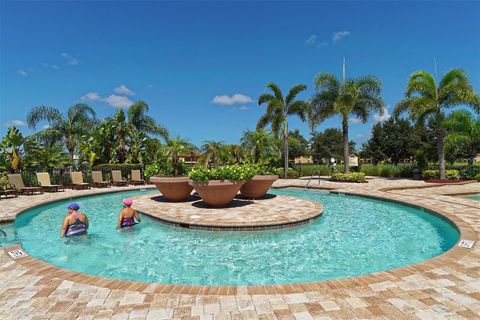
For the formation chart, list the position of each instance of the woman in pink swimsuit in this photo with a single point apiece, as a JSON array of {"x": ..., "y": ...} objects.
[{"x": 127, "y": 216}]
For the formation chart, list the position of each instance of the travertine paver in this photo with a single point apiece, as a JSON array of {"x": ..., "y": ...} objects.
[
  {"x": 272, "y": 211},
  {"x": 446, "y": 287}
]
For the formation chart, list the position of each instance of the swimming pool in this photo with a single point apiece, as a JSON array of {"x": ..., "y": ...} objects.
[
  {"x": 354, "y": 236},
  {"x": 475, "y": 197}
]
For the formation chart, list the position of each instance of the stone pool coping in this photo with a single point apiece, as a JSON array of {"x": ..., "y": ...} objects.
[{"x": 453, "y": 254}]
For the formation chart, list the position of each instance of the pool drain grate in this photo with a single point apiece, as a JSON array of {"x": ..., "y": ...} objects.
[
  {"x": 17, "y": 254},
  {"x": 466, "y": 243}
]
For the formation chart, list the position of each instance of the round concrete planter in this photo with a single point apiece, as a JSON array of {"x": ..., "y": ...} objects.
[
  {"x": 258, "y": 186},
  {"x": 217, "y": 193},
  {"x": 173, "y": 188}
]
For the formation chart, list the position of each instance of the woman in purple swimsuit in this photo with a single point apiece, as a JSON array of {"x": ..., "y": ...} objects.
[
  {"x": 75, "y": 223},
  {"x": 127, "y": 215}
]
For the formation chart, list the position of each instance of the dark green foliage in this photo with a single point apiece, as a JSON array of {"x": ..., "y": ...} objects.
[{"x": 328, "y": 144}]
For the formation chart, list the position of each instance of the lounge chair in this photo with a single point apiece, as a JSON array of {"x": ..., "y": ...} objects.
[
  {"x": 10, "y": 192},
  {"x": 77, "y": 181},
  {"x": 136, "y": 179},
  {"x": 44, "y": 181},
  {"x": 16, "y": 181},
  {"x": 117, "y": 178},
  {"x": 98, "y": 180}
]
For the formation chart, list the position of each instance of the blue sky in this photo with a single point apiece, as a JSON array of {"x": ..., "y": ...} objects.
[{"x": 202, "y": 65}]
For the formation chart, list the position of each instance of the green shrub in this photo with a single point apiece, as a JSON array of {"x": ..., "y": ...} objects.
[
  {"x": 371, "y": 170},
  {"x": 233, "y": 172},
  {"x": 477, "y": 177},
  {"x": 452, "y": 174},
  {"x": 4, "y": 183},
  {"x": 405, "y": 171},
  {"x": 309, "y": 169},
  {"x": 291, "y": 174},
  {"x": 349, "y": 177},
  {"x": 151, "y": 170},
  {"x": 388, "y": 171},
  {"x": 430, "y": 174}
]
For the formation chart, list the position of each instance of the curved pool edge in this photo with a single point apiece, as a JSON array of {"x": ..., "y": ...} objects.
[{"x": 450, "y": 256}]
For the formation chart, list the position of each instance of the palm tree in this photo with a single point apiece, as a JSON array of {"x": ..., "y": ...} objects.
[
  {"x": 138, "y": 119},
  {"x": 463, "y": 127},
  {"x": 260, "y": 144},
  {"x": 278, "y": 109},
  {"x": 236, "y": 153},
  {"x": 214, "y": 152},
  {"x": 11, "y": 147},
  {"x": 353, "y": 97},
  {"x": 122, "y": 128},
  {"x": 77, "y": 122},
  {"x": 425, "y": 101},
  {"x": 174, "y": 148}
]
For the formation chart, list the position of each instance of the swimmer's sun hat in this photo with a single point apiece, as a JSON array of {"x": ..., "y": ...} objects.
[
  {"x": 127, "y": 202},
  {"x": 73, "y": 206}
]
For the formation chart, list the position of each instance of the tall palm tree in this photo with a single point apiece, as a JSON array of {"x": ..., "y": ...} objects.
[
  {"x": 140, "y": 121},
  {"x": 78, "y": 121},
  {"x": 236, "y": 153},
  {"x": 278, "y": 109},
  {"x": 352, "y": 97},
  {"x": 463, "y": 127},
  {"x": 260, "y": 144},
  {"x": 427, "y": 101},
  {"x": 214, "y": 152},
  {"x": 174, "y": 148}
]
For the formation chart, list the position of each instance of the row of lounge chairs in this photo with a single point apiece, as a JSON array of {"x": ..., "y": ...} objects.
[{"x": 43, "y": 179}]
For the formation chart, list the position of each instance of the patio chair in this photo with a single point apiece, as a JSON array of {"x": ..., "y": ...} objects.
[
  {"x": 77, "y": 181},
  {"x": 98, "y": 180},
  {"x": 16, "y": 181},
  {"x": 136, "y": 179},
  {"x": 117, "y": 178},
  {"x": 44, "y": 181}
]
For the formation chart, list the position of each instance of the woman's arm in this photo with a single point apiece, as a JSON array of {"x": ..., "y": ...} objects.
[
  {"x": 86, "y": 222},
  {"x": 137, "y": 216},
  {"x": 64, "y": 227},
  {"x": 120, "y": 217}
]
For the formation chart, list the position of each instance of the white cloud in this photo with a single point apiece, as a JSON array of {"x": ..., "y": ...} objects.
[
  {"x": 71, "y": 60},
  {"x": 322, "y": 44},
  {"x": 243, "y": 108},
  {"x": 91, "y": 96},
  {"x": 360, "y": 135},
  {"x": 122, "y": 89},
  {"x": 311, "y": 40},
  {"x": 337, "y": 36},
  {"x": 381, "y": 118},
  {"x": 230, "y": 100},
  {"x": 355, "y": 120},
  {"x": 16, "y": 123},
  {"x": 47, "y": 126},
  {"x": 118, "y": 101},
  {"x": 22, "y": 73},
  {"x": 55, "y": 66}
]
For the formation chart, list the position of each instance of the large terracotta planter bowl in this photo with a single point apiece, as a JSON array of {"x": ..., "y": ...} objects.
[
  {"x": 217, "y": 193},
  {"x": 258, "y": 186},
  {"x": 173, "y": 188}
]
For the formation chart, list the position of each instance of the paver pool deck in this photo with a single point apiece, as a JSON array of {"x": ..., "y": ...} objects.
[{"x": 445, "y": 287}]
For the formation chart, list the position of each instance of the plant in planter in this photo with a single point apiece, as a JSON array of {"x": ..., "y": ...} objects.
[
  {"x": 218, "y": 186},
  {"x": 172, "y": 183},
  {"x": 258, "y": 186}
]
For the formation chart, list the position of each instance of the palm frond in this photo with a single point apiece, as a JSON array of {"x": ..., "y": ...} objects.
[
  {"x": 39, "y": 113},
  {"x": 294, "y": 91},
  {"x": 276, "y": 90}
]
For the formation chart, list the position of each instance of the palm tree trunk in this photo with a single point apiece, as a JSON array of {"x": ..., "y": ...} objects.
[
  {"x": 285, "y": 135},
  {"x": 346, "y": 153},
  {"x": 441, "y": 153}
]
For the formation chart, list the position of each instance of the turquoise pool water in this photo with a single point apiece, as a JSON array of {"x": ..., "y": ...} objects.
[
  {"x": 354, "y": 236},
  {"x": 477, "y": 197}
]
